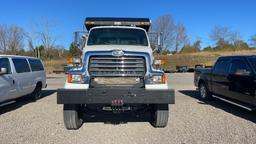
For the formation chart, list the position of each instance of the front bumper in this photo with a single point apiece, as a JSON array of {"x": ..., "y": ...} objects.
[{"x": 110, "y": 95}]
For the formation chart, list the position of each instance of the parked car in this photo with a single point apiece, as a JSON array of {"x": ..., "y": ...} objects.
[
  {"x": 182, "y": 69},
  {"x": 20, "y": 76},
  {"x": 232, "y": 79}
]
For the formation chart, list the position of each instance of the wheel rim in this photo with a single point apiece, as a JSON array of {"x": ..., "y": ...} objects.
[{"x": 203, "y": 91}]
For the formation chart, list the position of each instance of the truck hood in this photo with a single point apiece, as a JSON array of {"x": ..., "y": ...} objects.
[{"x": 132, "y": 48}]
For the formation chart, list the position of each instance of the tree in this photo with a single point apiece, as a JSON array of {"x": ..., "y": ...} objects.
[
  {"x": 241, "y": 45},
  {"x": 74, "y": 51},
  {"x": 42, "y": 33},
  {"x": 253, "y": 41},
  {"x": 181, "y": 38},
  {"x": 11, "y": 39},
  {"x": 220, "y": 34},
  {"x": 191, "y": 49},
  {"x": 208, "y": 49},
  {"x": 234, "y": 37},
  {"x": 3, "y": 38},
  {"x": 46, "y": 37},
  {"x": 38, "y": 51},
  {"x": 16, "y": 39},
  {"x": 197, "y": 46},
  {"x": 33, "y": 40},
  {"x": 165, "y": 25},
  {"x": 227, "y": 40}
]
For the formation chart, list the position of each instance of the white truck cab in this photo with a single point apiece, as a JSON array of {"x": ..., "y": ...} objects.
[
  {"x": 116, "y": 73},
  {"x": 20, "y": 76}
]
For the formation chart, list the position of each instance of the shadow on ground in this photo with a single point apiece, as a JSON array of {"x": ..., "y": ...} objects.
[
  {"x": 23, "y": 101},
  {"x": 118, "y": 118},
  {"x": 227, "y": 107}
]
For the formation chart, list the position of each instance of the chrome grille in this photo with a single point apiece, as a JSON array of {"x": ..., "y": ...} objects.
[{"x": 117, "y": 66}]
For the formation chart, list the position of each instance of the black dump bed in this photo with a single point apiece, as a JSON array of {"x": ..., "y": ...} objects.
[{"x": 91, "y": 22}]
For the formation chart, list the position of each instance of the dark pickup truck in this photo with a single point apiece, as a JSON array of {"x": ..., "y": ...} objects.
[{"x": 232, "y": 79}]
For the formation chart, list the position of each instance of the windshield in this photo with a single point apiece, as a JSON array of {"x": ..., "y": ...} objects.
[
  {"x": 117, "y": 36},
  {"x": 253, "y": 62}
]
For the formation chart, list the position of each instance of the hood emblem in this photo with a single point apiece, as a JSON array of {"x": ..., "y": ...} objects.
[{"x": 117, "y": 53}]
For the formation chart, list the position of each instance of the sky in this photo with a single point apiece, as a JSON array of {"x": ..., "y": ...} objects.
[{"x": 67, "y": 16}]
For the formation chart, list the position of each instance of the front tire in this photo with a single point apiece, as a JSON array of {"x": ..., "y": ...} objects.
[
  {"x": 72, "y": 116},
  {"x": 160, "y": 115},
  {"x": 204, "y": 92}
]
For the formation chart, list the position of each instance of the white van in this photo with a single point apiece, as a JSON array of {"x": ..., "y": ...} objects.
[{"x": 20, "y": 76}]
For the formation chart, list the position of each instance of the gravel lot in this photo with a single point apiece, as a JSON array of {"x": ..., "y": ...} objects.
[{"x": 191, "y": 121}]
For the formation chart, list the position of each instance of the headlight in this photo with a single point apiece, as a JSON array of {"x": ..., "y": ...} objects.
[
  {"x": 157, "y": 79},
  {"x": 77, "y": 79}
]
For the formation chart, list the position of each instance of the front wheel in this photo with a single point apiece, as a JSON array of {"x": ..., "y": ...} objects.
[
  {"x": 72, "y": 116},
  {"x": 204, "y": 92},
  {"x": 160, "y": 115}
]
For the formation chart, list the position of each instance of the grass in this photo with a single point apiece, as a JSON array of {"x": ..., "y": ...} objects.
[
  {"x": 51, "y": 65},
  {"x": 192, "y": 59}
]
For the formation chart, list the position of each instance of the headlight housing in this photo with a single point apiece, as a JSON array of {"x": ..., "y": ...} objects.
[
  {"x": 156, "y": 79},
  {"x": 79, "y": 79}
]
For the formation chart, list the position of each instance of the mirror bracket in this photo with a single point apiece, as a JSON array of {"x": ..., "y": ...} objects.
[{"x": 80, "y": 38}]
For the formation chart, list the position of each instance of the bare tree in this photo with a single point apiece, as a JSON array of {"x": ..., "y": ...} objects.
[
  {"x": 3, "y": 38},
  {"x": 16, "y": 39},
  {"x": 235, "y": 37},
  {"x": 253, "y": 41},
  {"x": 11, "y": 39},
  {"x": 42, "y": 33},
  {"x": 165, "y": 25},
  {"x": 181, "y": 37},
  {"x": 46, "y": 36},
  {"x": 220, "y": 34},
  {"x": 33, "y": 39}
]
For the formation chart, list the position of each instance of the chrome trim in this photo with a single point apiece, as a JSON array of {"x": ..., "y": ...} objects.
[
  {"x": 148, "y": 60},
  {"x": 84, "y": 70}
]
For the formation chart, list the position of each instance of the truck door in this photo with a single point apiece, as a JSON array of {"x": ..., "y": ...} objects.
[
  {"x": 241, "y": 81},
  {"x": 220, "y": 82},
  {"x": 23, "y": 76},
  {"x": 7, "y": 85}
]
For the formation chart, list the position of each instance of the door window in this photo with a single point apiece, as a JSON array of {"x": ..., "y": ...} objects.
[
  {"x": 222, "y": 67},
  {"x": 239, "y": 65},
  {"x": 21, "y": 65},
  {"x": 4, "y": 63},
  {"x": 36, "y": 65}
]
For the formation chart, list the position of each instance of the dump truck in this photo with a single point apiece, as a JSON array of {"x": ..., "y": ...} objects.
[{"x": 116, "y": 72}]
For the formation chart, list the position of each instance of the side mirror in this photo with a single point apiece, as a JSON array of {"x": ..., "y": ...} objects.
[
  {"x": 80, "y": 39},
  {"x": 156, "y": 41},
  {"x": 3, "y": 71},
  {"x": 159, "y": 42}
]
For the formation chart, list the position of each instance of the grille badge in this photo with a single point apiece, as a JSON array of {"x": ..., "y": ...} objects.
[{"x": 117, "y": 53}]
